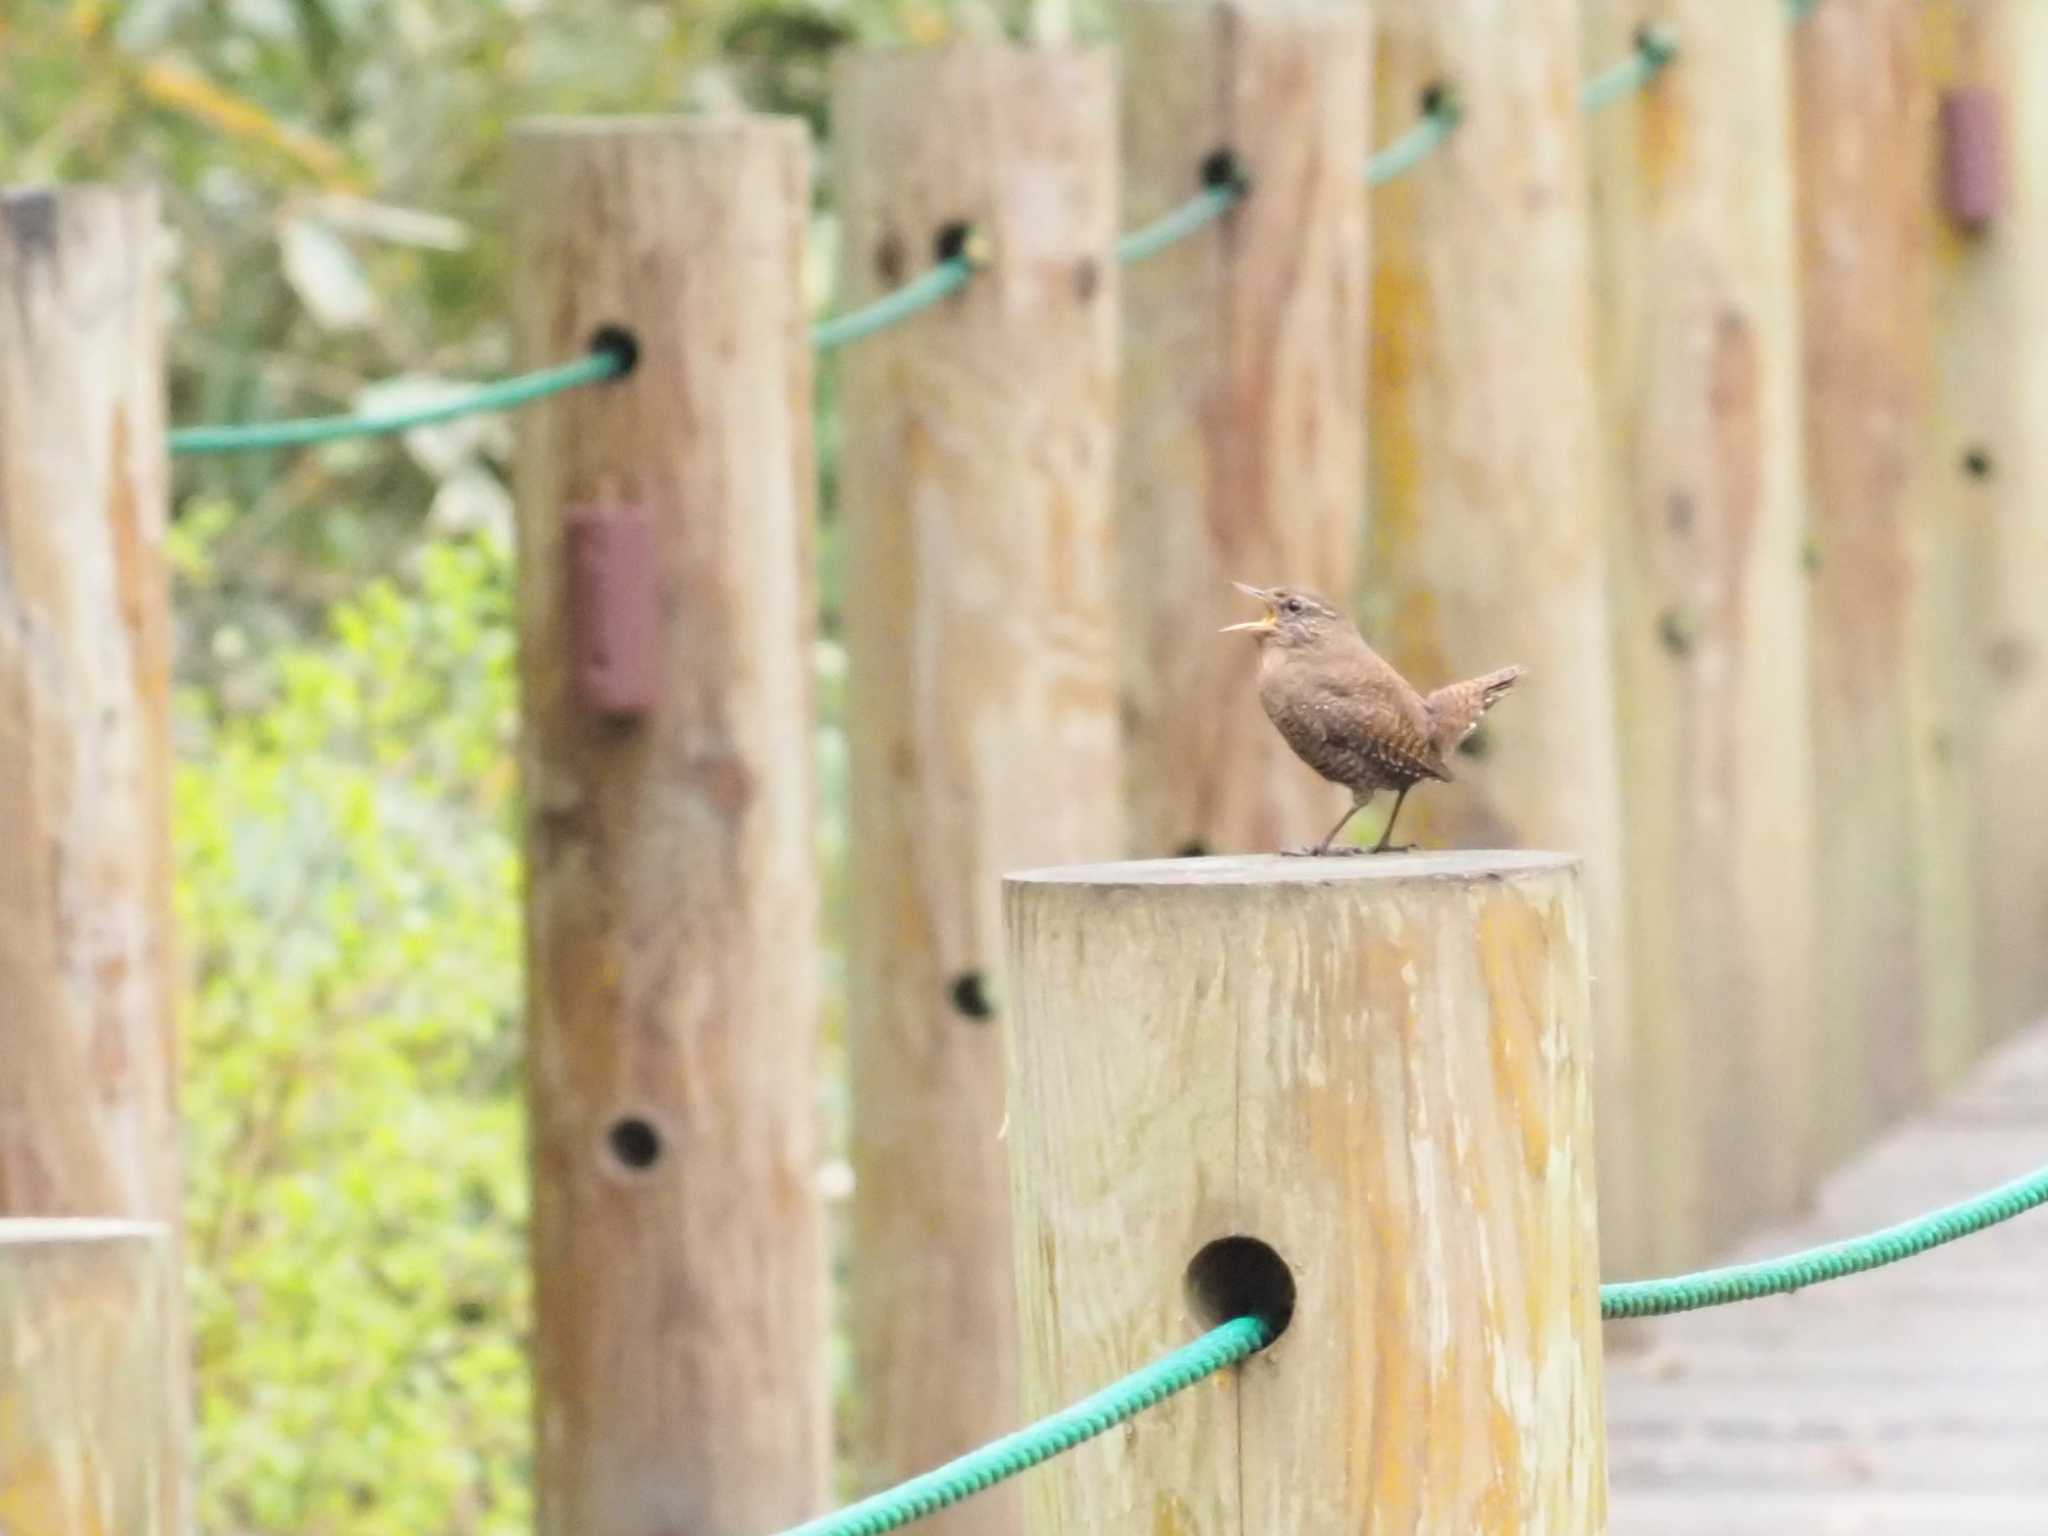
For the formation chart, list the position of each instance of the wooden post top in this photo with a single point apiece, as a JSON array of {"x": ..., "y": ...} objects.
[
  {"x": 25, "y": 1231},
  {"x": 1280, "y": 869},
  {"x": 1369, "y": 1080}
]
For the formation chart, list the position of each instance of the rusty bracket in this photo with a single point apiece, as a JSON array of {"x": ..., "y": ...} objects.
[
  {"x": 1972, "y": 156},
  {"x": 614, "y": 609}
]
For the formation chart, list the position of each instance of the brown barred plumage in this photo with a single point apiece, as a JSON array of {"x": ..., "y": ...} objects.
[{"x": 1351, "y": 716}]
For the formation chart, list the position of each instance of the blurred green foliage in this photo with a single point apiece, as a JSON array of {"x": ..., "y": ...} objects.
[
  {"x": 348, "y": 892},
  {"x": 334, "y": 176}
]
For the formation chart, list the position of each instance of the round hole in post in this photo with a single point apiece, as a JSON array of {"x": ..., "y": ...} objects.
[
  {"x": 1657, "y": 43},
  {"x": 1977, "y": 462},
  {"x": 954, "y": 240},
  {"x": 1241, "y": 1277},
  {"x": 1221, "y": 168},
  {"x": 1679, "y": 629},
  {"x": 617, "y": 341},
  {"x": 970, "y": 997},
  {"x": 889, "y": 258},
  {"x": 1440, "y": 100},
  {"x": 634, "y": 1143}
]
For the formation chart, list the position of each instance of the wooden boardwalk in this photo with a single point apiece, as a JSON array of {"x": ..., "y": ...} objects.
[{"x": 1908, "y": 1402}]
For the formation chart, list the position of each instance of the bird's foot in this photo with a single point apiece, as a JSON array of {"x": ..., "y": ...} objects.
[
  {"x": 1321, "y": 851},
  {"x": 1392, "y": 848}
]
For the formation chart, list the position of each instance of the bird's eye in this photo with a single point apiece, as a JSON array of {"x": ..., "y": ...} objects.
[{"x": 1293, "y": 605}]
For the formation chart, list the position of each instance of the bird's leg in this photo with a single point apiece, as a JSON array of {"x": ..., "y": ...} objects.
[
  {"x": 1357, "y": 805},
  {"x": 1383, "y": 845}
]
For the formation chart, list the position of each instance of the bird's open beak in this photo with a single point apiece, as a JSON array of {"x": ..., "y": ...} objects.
[{"x": 1271, "y": 619}]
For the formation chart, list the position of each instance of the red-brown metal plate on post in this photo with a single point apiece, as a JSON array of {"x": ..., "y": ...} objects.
[
  {"x": 614, "y": 609},
  {"x": 1972, "y": 156}
]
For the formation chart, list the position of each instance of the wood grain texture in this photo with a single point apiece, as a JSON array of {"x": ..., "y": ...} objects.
[
  {"x": 87, "y": 1108},
  {"x": 976, "y": 488},
  {"x": 1700, "y": 368},
  {"x": 1379, "y": 1067},
  {"x": 672, "y": 891},
  {"x": 1991, "y": 395},
  {"x": 1241, "y": 447},
  {"x": 88, "y": 1095},
  {"x": 86, "y": 1446},
  {"x": 1487, "y": 537},
  {"x": 1896, "y": 965}
]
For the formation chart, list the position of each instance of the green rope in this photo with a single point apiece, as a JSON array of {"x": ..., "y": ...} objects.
[
  {"x": 1244, "y": 1336},
  {"x": 948, "y": 277},
  {"x": 605, "y": 363},
  {"x": 1438, "y": 122},
  {"x": 1775, "y": 1277},
  {"x": 1198, "y": 212},
  {"x": 1062, "y": 1431},
  {"x": 1656, "y": 46}
]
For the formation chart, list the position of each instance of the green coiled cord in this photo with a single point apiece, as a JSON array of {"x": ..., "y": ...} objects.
[
  {"x": 1776, "y": 1277},
  {"x": 1062, "y": 1431},
  {"x": 1245, "y": 1336}
]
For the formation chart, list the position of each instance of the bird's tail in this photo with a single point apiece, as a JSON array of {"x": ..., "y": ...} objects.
[{"x": 1455, "y": 708}]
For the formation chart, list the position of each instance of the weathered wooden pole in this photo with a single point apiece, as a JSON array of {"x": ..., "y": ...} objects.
[
  {"x": 86, "y": 1446},
  {"x": 88, "y": 1089},
  {"x": 976, "y": 486},
  {"x": 1487, "y": 537},
  {"x": 1379, "y": 1070},
  {"x": 1700, "y": 367},
  {"x": 672, "y": 896},
  {"x": 1895, "y": 936},
  {"x": 1241, "y": 455},
  {"x": 1989, "y": 60}
]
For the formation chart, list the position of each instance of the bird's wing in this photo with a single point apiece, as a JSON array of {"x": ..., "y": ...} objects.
[{"x": 1375, "y": 727}]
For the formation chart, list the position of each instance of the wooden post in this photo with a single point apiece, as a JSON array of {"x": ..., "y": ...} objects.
[
  {"x": 1488, "y": 529},
  {"x": 85, "y": 1444},
  {"x": 1893, "y": 845},
  {"x": 976, "y": 487},
  {"x": 1991, "y": 465},
  {"x": 672, "y": 898},
  {"x": 88, "y": 1093},
  {"x": 1700, "y": 344},
  {"x": 1377, "y": 1067},
  {"x": 1242, "y": 450}
]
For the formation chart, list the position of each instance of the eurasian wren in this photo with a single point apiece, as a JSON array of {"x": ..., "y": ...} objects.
[{"x": 1351, "y": 716}]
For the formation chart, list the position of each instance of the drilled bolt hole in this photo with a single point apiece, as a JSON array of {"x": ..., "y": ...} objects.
[
  {"x": 970, "y": 996},
  {"x": 1679, "y": 629},
  {"x": 952, "y": 240},
  {"x": 1241, "y": 1277},
  {"x": 1221, "y": 168},
  {"x": 1440, "y": 100},
  {"x": 889, "y": 259},
  {"x": 617, "y": 341},
  {"x": 635, "y": 1143}
]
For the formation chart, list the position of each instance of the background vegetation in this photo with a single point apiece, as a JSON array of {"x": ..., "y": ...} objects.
[{"x": 346, "y": 796}]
